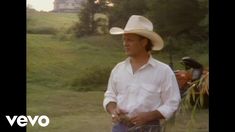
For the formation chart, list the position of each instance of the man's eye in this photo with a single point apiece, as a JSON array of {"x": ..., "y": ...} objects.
[{"x": 128, "y": 39}]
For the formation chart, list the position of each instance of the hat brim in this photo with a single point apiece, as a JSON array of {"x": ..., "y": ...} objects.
[{"x": 156, "y": 39}]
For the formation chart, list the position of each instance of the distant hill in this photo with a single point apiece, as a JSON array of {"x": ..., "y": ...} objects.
[
  {"x": 37, "y": 21},
  {"x": 50, "y": 22}
]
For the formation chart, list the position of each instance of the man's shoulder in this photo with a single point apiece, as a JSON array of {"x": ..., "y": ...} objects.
[
  {"x": 163, "y": 67},
  {"x": 160, "y": 64},
  {"x": 119, "y": 65}
]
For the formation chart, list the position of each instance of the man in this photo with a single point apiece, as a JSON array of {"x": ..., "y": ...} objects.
[{"x": 141, "y": 90}]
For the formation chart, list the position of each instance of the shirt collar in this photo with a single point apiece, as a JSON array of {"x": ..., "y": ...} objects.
[{"x": 151, "y": 61}]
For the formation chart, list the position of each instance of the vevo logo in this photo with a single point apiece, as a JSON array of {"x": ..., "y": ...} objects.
[{"x": 22, "y": 120}]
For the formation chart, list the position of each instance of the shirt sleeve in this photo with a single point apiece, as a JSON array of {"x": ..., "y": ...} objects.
[
  {"x": 110, "y": 94},
  {"x": 170, "y": 95}
]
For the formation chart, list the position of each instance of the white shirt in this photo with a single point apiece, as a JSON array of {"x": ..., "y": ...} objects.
[{"x": 152, "y": 87}]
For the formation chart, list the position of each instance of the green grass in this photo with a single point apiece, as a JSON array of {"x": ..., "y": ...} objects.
[
  {"x": 58, "y": 64},
  {"x": 55, "y": 20},
  {"x": 71, "y": 111},
  {"x": 61, "y": 64},
  {"x": 67, "y": 110},
  {"x": 184, "y": 123}
]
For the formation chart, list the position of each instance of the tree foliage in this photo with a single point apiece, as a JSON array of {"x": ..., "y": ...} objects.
[
  {"x": 86, "y": 24},
  {"x": 170, "y": 17},
  {"x": 176, "y": 17},
  {"x": 123, "y": 9}
]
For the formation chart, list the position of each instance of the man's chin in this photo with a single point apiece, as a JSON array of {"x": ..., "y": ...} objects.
[{"x": 128, "y": 54}]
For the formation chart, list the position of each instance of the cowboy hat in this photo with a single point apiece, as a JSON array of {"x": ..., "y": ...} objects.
[{"x": 141, "y": 26}]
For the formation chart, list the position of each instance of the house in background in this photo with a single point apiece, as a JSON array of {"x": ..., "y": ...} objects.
[{"x": 67, "y": 5}]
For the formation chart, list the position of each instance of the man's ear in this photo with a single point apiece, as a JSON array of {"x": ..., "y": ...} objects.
[{"x": 144, "y": 42}]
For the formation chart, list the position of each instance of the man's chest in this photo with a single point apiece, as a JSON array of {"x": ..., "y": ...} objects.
[{"x": 146, "y": 81}]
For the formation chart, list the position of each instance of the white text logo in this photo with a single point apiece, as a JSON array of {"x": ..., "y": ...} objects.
[{"x": 22, "y": 120}]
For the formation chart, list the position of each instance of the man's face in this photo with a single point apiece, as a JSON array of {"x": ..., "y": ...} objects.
[{"x": 134, "y": 44}]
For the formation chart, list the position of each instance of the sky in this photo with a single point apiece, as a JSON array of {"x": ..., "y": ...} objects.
[{"x": 41, "y": 5}]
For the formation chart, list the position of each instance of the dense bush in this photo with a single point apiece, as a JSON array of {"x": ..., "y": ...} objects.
[
  {"x": 93, "y": 78},
  {"x": 42, "y": 30}
]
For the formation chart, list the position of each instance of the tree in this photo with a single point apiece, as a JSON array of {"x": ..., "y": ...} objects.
[
  {"x": 174, "y": 17},
  {"x": 86, "y": 24},
  {"x": 120, "y": 10},
  {"x": 177, "y": 20},
  {"x": 123, "y": 9}
]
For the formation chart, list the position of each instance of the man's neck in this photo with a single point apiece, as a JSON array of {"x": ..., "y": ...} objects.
[{"x": 139, "y": 61}]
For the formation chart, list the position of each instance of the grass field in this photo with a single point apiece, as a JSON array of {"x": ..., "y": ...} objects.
[
  {"x": 71, "y": 111},
  {"x": 55, "y": 20},
  {"x": 59, "y": 71},
  {"x": 68, "y": 111},
  {"x": 62, "y": 63},
  {"x": 59, "y": 64}
]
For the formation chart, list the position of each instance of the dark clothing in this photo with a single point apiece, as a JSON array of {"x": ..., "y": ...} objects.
[{"x": 150, "y": 127}]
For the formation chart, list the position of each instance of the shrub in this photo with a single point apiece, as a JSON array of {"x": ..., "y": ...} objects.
[
  {"x": 63, "y": 36},
  {"x": 42, "y": 30},
  {"x": 93, "y": 78}
]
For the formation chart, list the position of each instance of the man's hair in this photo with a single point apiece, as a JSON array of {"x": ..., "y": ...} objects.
[{"x": 149, "y": 45}]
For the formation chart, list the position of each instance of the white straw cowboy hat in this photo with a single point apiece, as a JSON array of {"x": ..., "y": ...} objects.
[{"x": 141, "y": 26}]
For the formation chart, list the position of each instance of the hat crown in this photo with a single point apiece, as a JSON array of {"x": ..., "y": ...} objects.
[{"x": 138, "y": 22}]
